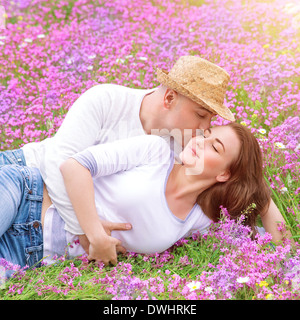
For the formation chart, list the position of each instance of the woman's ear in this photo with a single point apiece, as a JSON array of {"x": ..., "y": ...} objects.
[{"x": 223, "y": 177}]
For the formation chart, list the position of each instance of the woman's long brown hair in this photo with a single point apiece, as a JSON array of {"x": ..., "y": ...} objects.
[{"x": 245, "y": 186}]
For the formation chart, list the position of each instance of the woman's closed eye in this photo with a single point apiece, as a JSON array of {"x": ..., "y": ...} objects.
[
  {"x": 208, "y": 132},
  {"x": 214, "y": 148}
]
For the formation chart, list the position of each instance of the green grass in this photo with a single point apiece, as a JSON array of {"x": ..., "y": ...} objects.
[
  {"x": 187, "y": 260},
  {"x": 45, "y": 282}
]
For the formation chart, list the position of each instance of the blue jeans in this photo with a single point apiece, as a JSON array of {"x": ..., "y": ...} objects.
[
  {"x": 21, "y": 196},
  {"x": 12, "y": 157}
]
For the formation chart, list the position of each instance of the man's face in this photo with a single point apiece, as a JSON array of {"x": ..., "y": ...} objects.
[{"x": 186, "y": 116}]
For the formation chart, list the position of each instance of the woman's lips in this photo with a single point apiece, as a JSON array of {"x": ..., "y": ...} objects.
[{"x": 194, "y": 152}]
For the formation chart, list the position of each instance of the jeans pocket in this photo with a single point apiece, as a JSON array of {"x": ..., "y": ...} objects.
[{"x": 34, "y": 255}]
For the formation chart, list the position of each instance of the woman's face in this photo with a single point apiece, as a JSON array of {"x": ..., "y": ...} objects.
[{"x": 210, "y": 156}]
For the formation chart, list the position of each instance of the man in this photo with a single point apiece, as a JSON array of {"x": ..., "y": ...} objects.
[{"x": 191, "y": 94}]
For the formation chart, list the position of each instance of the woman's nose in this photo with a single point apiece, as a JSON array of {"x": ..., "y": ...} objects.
[{"x": 200, "y": 141}]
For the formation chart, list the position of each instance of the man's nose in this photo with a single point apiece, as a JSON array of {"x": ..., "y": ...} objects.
[{"x": 204, "y": 126}]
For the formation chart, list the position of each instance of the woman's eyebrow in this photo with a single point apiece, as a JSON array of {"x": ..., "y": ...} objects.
[
  {"x": 218, "y": 140},
  {"x": 220, "y": 143}
]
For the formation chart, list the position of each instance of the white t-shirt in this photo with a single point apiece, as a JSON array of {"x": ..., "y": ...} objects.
[
  {"x": 130, "y": 177},
  {"x": 105, "y": 112}
]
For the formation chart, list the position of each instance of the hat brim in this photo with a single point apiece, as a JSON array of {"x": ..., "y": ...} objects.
[{"x": 221, "y": 110}]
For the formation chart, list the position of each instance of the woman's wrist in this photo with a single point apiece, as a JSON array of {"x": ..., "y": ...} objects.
[{"x": 95, "y": 232}]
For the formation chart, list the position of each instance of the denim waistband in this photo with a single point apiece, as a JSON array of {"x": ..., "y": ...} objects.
[{"x": 12, "y": 157}]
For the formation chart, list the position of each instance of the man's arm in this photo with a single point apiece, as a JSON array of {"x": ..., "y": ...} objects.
[{"x": 79, "y": 130}]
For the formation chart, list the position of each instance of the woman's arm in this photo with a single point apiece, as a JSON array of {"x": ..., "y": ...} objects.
[
  {"x": 79, "y": 185},
  {"x": 99, "y": 161},
  {"x": 271, "y": 221}
]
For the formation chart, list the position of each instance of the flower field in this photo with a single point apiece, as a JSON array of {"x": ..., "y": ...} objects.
[{"x": 53, "y": 51}]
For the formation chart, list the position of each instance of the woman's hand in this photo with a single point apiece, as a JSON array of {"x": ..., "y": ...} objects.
[
  {"x": 104, "y": 249},
  {"x": 271, "y": 220}
]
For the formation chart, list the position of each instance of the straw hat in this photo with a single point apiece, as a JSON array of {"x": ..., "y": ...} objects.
[{"x": 201, "y": 81}]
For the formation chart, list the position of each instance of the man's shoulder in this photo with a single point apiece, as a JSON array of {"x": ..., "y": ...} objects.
[
  {"x": 110, "y": 93},
  {"x": 105, "y": 94}
]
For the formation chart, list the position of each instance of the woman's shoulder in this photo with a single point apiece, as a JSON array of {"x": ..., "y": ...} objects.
[
  {"x": 150, "y": 149},
  {"x": 148, "y": 140},
  {"x": 140, "y": 149},
  {"x": 202, "y": 217},
  {"x": 154, "y": 147}
]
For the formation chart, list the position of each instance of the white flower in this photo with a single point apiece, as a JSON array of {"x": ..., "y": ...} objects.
[
  {"x": 28, "y": 40},
  {"x": 40, "y": 36},
  {"x": 70, "y": 61},
  {"x": 208, "y": 289},
  {"x": 119, "y": 60},
  {"x": 284, "y": 189},
  {"x": 143, "y": 58},
  {"x": 2, "y": 43},
  {"x": 2, "y": 37},
  {"x": 194, "y": 285},
  {"x": 242, "y": 279},
  {"x": 93, "y": 56},
  {"x": 23, "y": 45},
  {"x": 262, "y": 131},
  {"x": 90, "y": 67},
  {"x": 279, "y": 145}
]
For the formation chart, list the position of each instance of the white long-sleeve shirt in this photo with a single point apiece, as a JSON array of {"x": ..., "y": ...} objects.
[
  {"x": 103, "y": 113},
  {"x": 130, "y": 177}
]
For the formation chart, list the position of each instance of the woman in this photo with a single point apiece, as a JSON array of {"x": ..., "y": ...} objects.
[{"x": 135, "y": 180}]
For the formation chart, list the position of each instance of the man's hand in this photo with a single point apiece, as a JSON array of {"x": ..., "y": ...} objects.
[
  {"x": 111, "y": 226},
  {"x": 108, "y": 227}
]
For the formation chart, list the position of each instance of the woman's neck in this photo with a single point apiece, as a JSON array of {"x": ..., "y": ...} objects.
[{"x": 181, "y": 186}]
